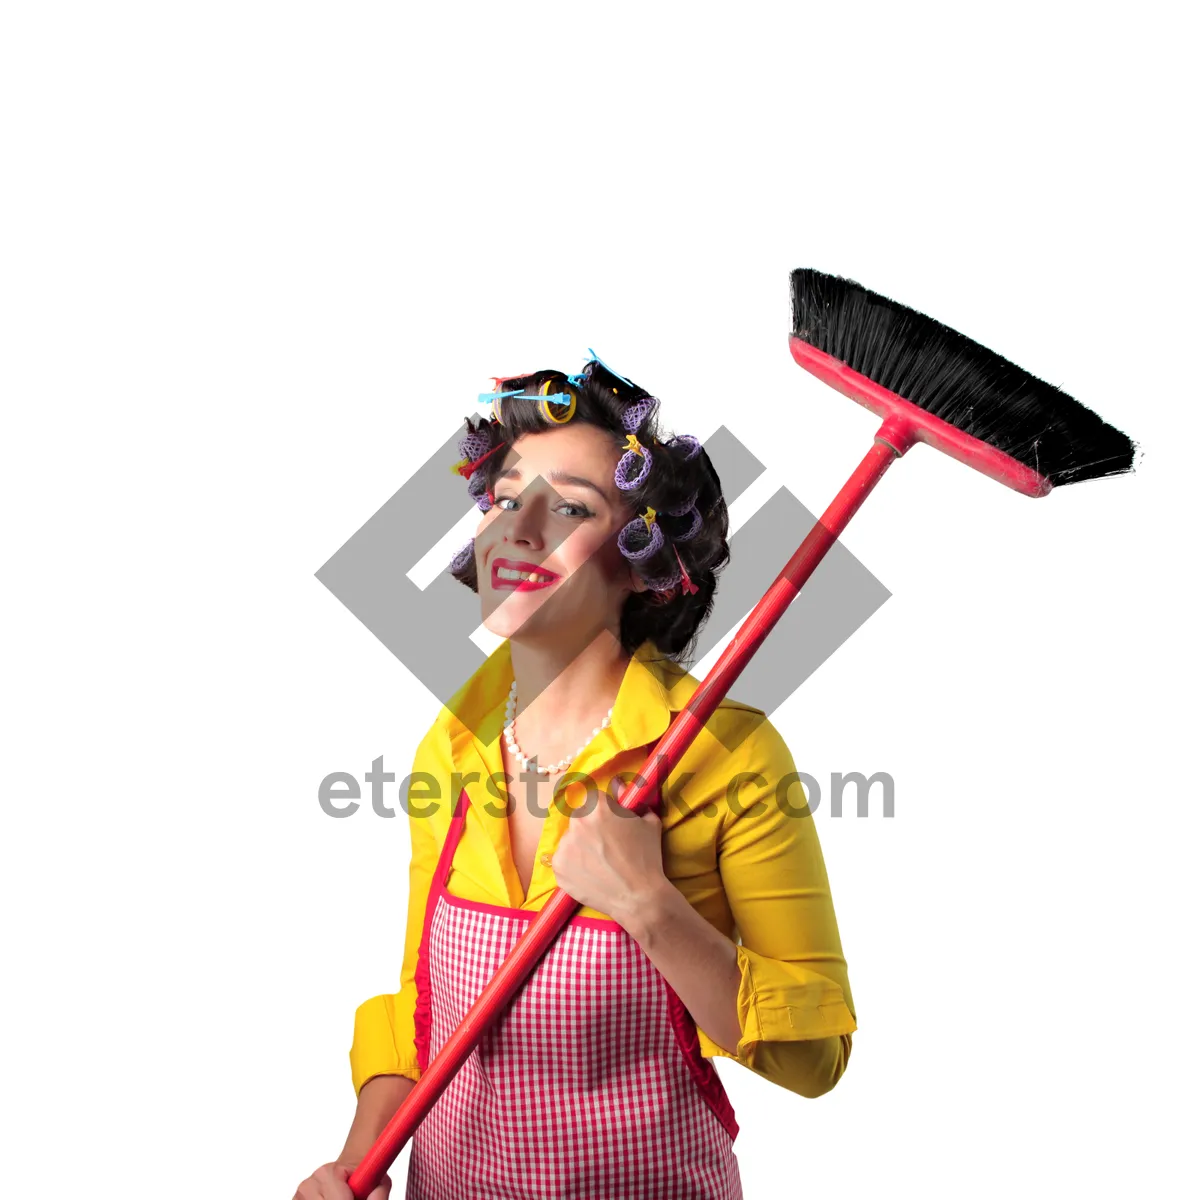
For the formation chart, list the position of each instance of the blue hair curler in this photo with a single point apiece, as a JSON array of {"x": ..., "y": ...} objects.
[{"x": 580, "y": 377}]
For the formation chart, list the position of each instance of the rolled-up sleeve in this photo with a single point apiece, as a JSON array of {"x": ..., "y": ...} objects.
[
  {"x": 795, "y": 1008},
  {"x": 384, "y": 1028}
]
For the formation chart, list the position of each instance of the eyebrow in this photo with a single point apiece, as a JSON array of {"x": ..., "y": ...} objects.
[{"x": 557, "y": 476}]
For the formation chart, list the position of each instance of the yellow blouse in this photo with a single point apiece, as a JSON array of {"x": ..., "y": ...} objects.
[{"x": 735, "y": 843}]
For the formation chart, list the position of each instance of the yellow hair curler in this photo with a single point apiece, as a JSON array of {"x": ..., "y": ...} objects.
[{"x": 556, "y": 414}]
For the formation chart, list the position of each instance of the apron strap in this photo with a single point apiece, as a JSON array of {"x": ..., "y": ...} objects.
[
  {"x": 422, "y": 1013},
  {"x": 453, "y": 837}
]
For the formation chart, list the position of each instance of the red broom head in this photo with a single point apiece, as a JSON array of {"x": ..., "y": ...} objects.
[{"x": 942, "y": 388}]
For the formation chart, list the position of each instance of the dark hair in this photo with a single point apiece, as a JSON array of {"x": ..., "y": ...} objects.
[{"x": 680, "y": 469}]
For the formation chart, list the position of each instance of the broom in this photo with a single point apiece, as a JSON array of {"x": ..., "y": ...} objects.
[{"x": 929, "y": 384}]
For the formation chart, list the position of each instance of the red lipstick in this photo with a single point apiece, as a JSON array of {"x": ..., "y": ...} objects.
[{"x": 514, "y": 568}]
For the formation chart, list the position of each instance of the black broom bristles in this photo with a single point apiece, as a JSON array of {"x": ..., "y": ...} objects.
[{"x": 954, "y": 378}]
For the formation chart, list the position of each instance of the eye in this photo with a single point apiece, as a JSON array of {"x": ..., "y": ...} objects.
[
  {"x": 580, "y": 510},
  {"x": 566, "y": 508}
]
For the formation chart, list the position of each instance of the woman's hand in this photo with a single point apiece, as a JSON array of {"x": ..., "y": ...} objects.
[
  {"x": 378, "y": 1100},
  {"x": 329, "y": 1183},
  {"x": 610, "y": 860}
]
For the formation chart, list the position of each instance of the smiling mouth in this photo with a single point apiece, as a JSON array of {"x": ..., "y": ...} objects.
[{"x": 520, "y": 576}]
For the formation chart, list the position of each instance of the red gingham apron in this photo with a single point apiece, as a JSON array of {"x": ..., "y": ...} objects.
[{"x": 590, "y": 1085}]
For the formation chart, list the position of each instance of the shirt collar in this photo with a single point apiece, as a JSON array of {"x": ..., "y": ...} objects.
[{"x": 652, "y": 690}]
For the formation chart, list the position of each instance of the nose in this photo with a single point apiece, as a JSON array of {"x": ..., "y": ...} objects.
[{"x": 524, "y": 526}]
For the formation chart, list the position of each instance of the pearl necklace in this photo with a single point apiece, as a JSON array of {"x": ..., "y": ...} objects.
[{"x": 510, "y": 736}]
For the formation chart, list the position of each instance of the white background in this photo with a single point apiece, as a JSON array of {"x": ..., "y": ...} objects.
[{"x": 257, "y": 261}]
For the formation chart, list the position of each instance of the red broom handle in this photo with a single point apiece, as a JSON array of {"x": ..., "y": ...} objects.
[{"x": 894, "y": 437}]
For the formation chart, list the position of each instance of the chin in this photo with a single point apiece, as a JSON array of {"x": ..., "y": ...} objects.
[{"x": 508, "y": 620}]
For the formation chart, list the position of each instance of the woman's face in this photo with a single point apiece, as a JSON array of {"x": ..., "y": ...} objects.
[{"x": 557, "y": 515}]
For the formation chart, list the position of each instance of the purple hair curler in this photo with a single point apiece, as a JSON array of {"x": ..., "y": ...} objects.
[
  {"x": 665, "y": 582},
  {"x": 627, "y": 459},
  {"x": 682, "y": 511},
  {"x": 474, "y": 444},
  {"x": 686, "y": 439},
  {"x": 637, "y": 412},
  {"x": 651, "y": 547}
]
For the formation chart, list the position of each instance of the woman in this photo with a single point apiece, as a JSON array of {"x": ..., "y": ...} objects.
[{"x": 597, "y": 559}]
